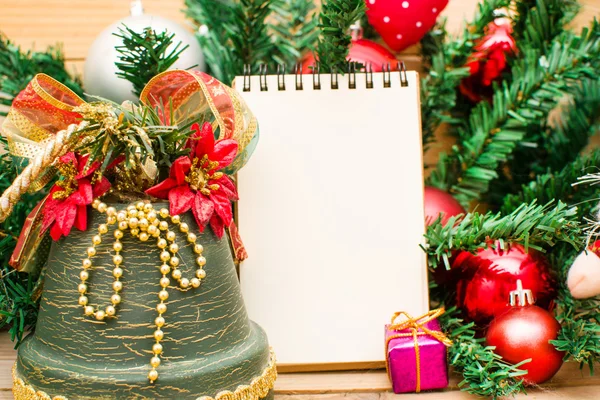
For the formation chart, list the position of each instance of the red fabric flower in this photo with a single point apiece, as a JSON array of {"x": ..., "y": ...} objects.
[
  {"x": 68, "y": 199},
  {"x": 489, "y": 61},
  {"x": 196, "y": 183}
]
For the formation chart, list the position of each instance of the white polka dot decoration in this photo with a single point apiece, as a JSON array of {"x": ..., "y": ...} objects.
[{"x": 402, "y": 23}]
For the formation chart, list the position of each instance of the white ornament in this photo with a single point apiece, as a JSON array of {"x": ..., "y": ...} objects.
[
  {"x": 583, "y": 279},
  {"x": 100, "y": 72}
]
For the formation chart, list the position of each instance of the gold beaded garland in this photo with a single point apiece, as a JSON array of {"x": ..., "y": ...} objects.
[{"x": 143, "y": 222}]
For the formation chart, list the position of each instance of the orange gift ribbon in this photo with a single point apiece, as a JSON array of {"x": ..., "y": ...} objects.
[{"x": 417, "y": 328}]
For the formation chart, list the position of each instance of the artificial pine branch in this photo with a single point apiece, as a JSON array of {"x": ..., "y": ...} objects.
[
  {"x": 335, "y": 20},
  {"x": 580, "y": 333},
  {"x": 295, "y": 30},
  {"x": 558, "y": 147},
  {"x": 559, "y": 186},
  {"x": 145, "y": 55},
  {"x": 214, "y": 19},
  {"x": 542, "y": 20},
  {"x": 531, "y": 225},
  {"x": 539, "y": 81},
  {"x": 17, "y": 68},
  {"x": 233, "y": 34}
]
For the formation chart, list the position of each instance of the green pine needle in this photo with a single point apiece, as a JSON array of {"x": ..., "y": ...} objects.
[
  {"x": 144, "y": 55},
  {"x": 335, "y": 20},
  {"x": 531, "y": 225}
]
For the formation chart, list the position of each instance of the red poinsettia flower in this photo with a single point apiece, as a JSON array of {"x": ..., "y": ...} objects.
[
  {"x": 489, "y": 60},
  {"x": 196, "y": 183},
  {"x": 68, "y": 199}
]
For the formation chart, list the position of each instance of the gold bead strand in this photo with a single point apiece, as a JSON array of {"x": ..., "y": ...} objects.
[
  {"x": 154, "y": 229},
  {"x": 111, "y": 218}
]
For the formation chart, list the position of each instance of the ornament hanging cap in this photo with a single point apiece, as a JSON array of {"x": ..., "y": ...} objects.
[
  {"x": 521, "y": 297},
  {"x": 136, "y": 8}
]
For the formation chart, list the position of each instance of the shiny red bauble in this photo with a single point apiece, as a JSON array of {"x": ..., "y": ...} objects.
[
  {"x": 485, "y": 280},
  {"x": 363, "y": 51},
  {"x": 522, "y": 333},
  {"x": 402, "y": 23},
  {"x": 439, "y": 202}
]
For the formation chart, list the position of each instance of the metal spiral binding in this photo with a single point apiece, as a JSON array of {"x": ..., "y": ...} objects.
[
  {"x": 262, "y": 77},
  {"x": 316, "y": 76},
  {"x": 247, "y": 73},
  {"x": 280, "y": 77}
]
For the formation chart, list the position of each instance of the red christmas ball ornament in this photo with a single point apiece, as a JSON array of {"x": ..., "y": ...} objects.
[
  {"x": 439, "y": 202},
  {"x": 402, "y": 23},
  {"x": 492, "y": 273},
  {"x": 363, "y": 51},
  {"x": 489, "y": 60},
  {"x": 524, "y": 332}
]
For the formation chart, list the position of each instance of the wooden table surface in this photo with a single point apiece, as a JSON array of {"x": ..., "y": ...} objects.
[{"x": 570, "y": 383}]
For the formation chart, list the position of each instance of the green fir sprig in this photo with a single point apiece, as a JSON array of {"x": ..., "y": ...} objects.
[
  {"x": 336, "y": 18},
  {"x": 137, "y": 133},
  {"x": 295, "y": 30},
  {"x": 233, "y": 34},
  {"x": 559, "y": 186},
  {"x": 533, "y": 226},
  {"x": 144, "y": 55}
]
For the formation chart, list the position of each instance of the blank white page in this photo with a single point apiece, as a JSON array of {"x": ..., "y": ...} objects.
[{"x": 331, "y": 213}]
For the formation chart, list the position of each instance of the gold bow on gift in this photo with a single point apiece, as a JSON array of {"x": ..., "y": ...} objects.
[
  {"x": 416, "y": 328},
  {"x": 45, "y": 120}
]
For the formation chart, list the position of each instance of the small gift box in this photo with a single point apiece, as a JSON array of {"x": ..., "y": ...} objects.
[{"x": 416, "y": 357}]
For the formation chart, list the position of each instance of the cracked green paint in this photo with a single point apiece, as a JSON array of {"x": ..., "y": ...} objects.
[{"x": 210, "y": 345}]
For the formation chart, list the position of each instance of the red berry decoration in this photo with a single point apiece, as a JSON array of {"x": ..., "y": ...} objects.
[
  {"x": 439, "y": 202},
  {"x": 524, "y": 332},
  {"x": 402, "y": 23},
  {"x": 492, "y": 273},
  {"x": 363, "y": 51}
]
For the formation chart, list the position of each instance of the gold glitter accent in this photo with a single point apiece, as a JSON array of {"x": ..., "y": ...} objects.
[
  {"x": 257, "y": 389},
  {"x": 200, "y": 174},
  {"x": 68, "y": 183}
]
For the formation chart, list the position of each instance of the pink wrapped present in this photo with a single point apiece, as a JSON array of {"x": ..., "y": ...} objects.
[{"x": 416, "y": 356}]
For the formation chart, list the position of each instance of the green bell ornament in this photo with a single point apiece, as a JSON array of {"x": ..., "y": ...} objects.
[{"x": 139, "y": 300}]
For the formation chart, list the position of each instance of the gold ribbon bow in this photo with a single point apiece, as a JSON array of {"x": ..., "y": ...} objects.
[{"x": 416, "y": 328}]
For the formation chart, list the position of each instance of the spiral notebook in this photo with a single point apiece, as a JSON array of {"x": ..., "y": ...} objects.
[{"x": 331, "y": 213}]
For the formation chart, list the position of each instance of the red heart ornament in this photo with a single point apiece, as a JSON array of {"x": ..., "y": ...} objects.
[{"x": 402, "y": 23}]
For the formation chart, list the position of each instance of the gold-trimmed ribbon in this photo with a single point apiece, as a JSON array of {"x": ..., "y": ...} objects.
[
  {"x": 39, "y": 111},
  {"x": 46, "y": 107},
  {"x": 416, "y": 328}
]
